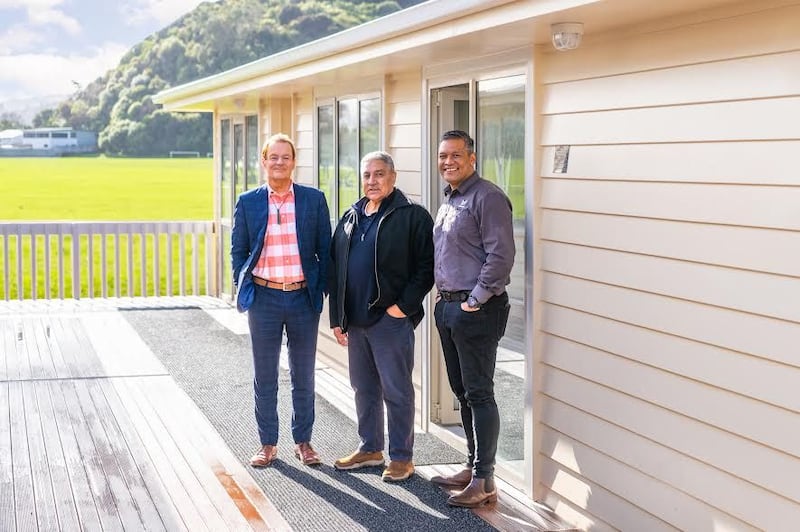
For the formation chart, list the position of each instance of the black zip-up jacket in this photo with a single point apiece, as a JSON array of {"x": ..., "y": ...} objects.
[{"x": 403, "y": 266}]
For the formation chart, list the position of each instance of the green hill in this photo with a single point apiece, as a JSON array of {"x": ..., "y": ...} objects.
[{"x": 213, "y": 38}]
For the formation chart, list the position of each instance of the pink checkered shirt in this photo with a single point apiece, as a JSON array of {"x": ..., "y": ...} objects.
[{"x": 280, "y": 256}]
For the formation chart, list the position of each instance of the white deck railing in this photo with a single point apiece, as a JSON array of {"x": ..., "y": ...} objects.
[{"x": 47, "y": 260}]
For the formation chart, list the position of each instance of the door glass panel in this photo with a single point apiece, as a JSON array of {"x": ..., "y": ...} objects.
[
  {"x": 238, "y": 160},
  {"x": 253, "y": 155},
  {"x": 226, "y": 208},
  {"x": 348, "y": 154},
  {"x": 325, "y": 156},
  {"x": 369, "y": 132},
  {"x": 500, "y": 146}
]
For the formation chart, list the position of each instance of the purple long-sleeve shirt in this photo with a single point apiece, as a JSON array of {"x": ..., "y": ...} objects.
[{"x": 473, "y": 239}]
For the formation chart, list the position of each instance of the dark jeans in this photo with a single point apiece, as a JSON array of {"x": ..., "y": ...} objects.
[
  {"x": 272, "y": 312},
  {"x": 469, "y": 344},
  {"x": 381, "y": 359}
]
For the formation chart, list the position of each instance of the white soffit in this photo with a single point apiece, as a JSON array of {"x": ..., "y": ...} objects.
[{"x": 433, "y": 32}]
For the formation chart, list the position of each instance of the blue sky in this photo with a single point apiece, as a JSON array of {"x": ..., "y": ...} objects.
[{"x": 46, "y": 45}]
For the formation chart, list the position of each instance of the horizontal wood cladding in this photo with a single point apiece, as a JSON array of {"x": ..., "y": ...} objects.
[
  {"x": 753, "y": 163},
  {"x": 769, "y": 339},
  {"x": 716, "y": 426},
  {"x": 642, "y": 471},
  {"x": 703, "y": 122},
  {"x": 408, "y": 112},
  {"x": 746, "y": 78},
  {"x": 653, "y": 441},
  {"x": 729, "y": 370},
  {"x": 764, "y": 250},
  {"x": 670, "y": 271},
  {"x": 740, "y": 205},
  {"x": 746, "y": 291},
  {"x": 750, "y": 30},
  {"x": 599, "y": 505}
]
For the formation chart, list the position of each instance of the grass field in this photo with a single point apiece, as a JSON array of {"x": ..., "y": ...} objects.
[{"x": 99, "y": 189}]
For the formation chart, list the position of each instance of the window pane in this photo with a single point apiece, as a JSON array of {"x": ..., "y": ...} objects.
[
  {"x": 238, "y": 160},
  {"x": 369, "y": 122},
  {"x": 325, "y": 158},
  {"x": 227, "y": 268},
  {"x": 253, "y": 155},
  {"x": 348, "y": 180},
  {"x": 225, "y": 168},
  {"x": 501, "y": 159}
]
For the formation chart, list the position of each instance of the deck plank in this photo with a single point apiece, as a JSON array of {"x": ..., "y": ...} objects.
[
  {"x": 141, "y": 477},
  {"x": 157, "y": 463},
  {"x": 25, "y": 512},
  {"x": 17, "y": 354},
  {"x": 129, "y": 511},
  {"x": 55, "y": 463},
  {"x": 7, "y": 520},
  {"x": 260, "y": 513},
  {"x": 105, "y": 498},
  {"x": 7, "y": 345},
  {"x": 60, "y": 369},
  {"x": 100, "y": 437},
  {"x": 174, "y": 418},
  {"x": 78, "y": 479},
  {"x": 201, "y": 500},
  {"x": 44, "y": 367}
]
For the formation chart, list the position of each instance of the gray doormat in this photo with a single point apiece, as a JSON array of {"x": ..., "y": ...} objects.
[{"x": 214, "y": 367}]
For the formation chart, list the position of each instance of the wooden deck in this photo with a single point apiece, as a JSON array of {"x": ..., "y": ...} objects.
[{"x": 95, "y": 435}]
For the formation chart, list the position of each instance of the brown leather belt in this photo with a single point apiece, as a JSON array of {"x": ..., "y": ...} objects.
[{"x": 286, "y": 287}]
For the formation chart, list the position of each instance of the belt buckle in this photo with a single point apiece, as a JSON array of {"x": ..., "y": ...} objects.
[{"x": 285, "y": 287}]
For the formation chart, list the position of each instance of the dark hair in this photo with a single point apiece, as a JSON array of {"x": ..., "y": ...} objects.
[{"x": 460, "y": 135}]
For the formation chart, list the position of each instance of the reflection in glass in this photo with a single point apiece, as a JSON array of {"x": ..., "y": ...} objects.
[
  {"x": 369, "y": 131},
  {"x": 348, "y": 181},
  {"x": 238, "y": 160},
  {"x": 325, "y": 158},
  {"x": 226, "y": 208},
  {"x": 501, "y": 159},
  {"x": 252, "y": 152},
  {"x": 227, "y": 269}
]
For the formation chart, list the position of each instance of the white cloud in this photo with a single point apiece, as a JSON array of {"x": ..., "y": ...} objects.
[
  {"x": 41, "y": 74},
  {"x": 54, "y": 17},
  {"x": 162, "y": 11},
  {"x": 40, "y": 13},
  {"x": 18, "y": 37}
]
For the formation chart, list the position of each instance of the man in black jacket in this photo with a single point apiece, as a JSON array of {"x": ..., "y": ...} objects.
[{"x": 382, "y": 267}]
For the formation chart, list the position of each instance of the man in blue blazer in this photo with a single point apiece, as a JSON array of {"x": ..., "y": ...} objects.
[{"x": 279, "y": 252}]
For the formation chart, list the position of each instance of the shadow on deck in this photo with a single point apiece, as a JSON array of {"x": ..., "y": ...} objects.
[{"x": 95, "y": 433}]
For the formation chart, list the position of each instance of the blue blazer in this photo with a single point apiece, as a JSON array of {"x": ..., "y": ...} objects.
[{"x": 313, "y": 238}]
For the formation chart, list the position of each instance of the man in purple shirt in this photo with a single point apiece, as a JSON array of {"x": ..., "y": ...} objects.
[{"x": 473, "y": 254}]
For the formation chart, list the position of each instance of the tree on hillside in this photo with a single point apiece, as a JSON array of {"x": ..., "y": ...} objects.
[{"x": 213, "y": 38}]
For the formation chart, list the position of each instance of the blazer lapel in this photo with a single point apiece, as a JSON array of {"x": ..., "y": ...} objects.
[{"x": 299, "y": 212}]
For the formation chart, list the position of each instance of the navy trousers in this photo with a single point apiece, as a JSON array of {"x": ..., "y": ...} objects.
[
  {"x": 381, "y": 359},
  {"x": 272, "y": 312}
]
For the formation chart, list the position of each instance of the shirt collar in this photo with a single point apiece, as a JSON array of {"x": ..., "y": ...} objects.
[
  {"x": 464, "y": 186},
  {"x": 270, "y": 192}
]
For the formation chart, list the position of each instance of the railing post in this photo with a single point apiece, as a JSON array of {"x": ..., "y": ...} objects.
[{"x": 76, "y": 262}]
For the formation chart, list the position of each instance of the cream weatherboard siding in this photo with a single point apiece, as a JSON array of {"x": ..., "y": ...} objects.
[{"x": 670, "y": 259}]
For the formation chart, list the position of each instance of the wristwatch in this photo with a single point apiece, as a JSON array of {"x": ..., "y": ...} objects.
[{"x": 472, "y": 302}]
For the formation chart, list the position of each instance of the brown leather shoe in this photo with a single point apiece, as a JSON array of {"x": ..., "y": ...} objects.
[
  {"x": 474, "y": 495},
  {"x": 457, "y": 480},
  {"x": 264, "y": 456},
  {"x": 398, "y": 470},
  {"x": 306, "y": 454}
]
